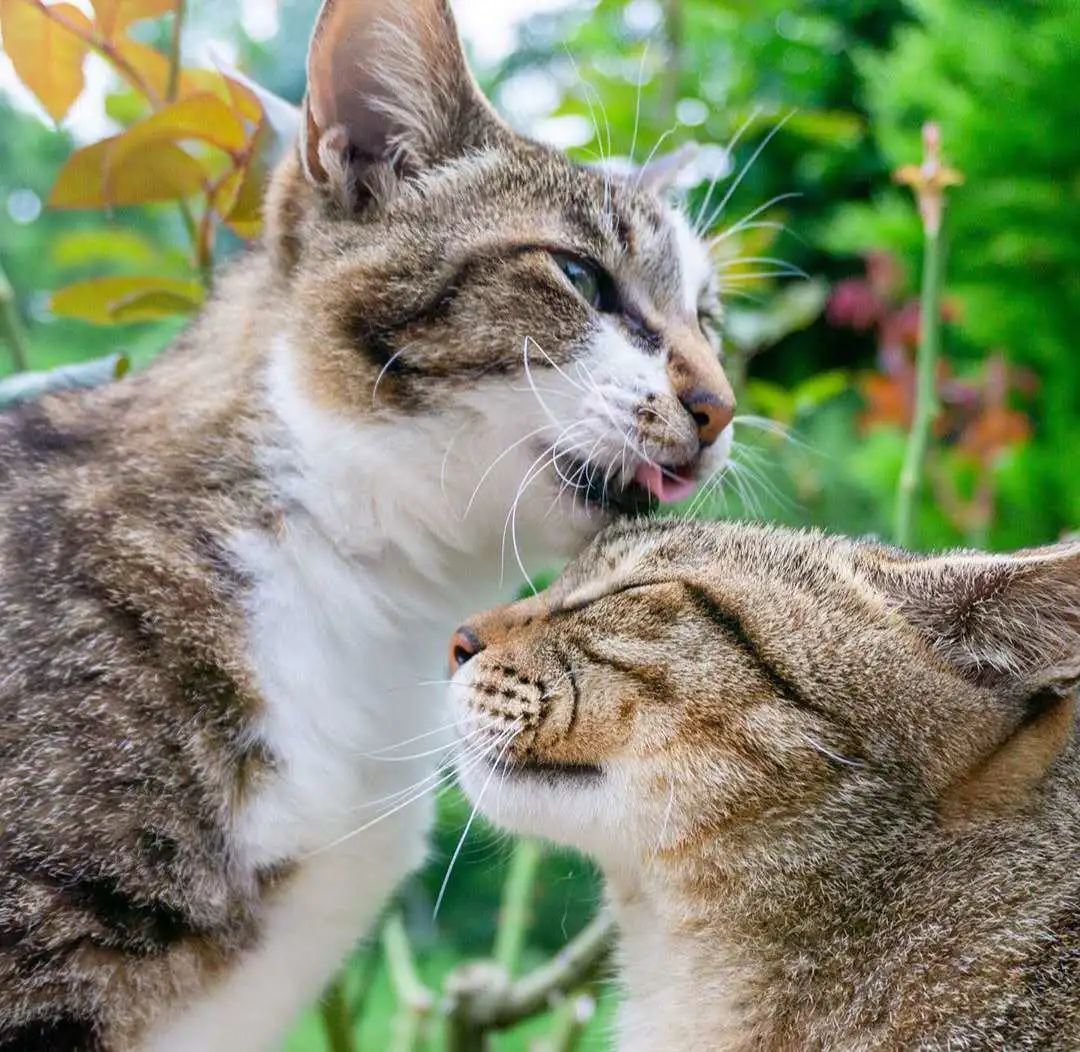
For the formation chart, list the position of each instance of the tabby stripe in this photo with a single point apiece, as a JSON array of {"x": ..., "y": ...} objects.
[
  {"x": 652, "y": 679},
  {"x": 55, "y": 1035},
  {"x": 135, "y": 923},
  {"x": 729, "y": 622}
]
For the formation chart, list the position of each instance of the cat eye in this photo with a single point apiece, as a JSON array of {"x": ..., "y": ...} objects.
[{"x": 594, "y": 285}]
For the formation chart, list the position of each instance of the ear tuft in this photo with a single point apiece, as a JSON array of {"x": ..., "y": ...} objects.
[
  {"x": 389, "y": 94},
  {"x": 1004, "y": 621}
]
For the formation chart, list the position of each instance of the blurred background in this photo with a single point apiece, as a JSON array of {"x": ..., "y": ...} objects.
[{"x": 804, "y": 112}]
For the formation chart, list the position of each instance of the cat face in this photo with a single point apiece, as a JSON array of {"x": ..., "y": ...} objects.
[
  {"x": 687, "y": 688},
  {"x": 540, "y": 333}
]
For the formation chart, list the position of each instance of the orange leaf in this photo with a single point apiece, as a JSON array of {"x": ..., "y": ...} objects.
[
  {"x": 47, "y": 55},
  {"x": 108, "y": 301},
  {"x": 160, "y": 172},
  {"x": 114, "y": 16}
]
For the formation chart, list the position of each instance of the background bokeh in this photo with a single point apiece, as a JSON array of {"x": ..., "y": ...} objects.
[{"x": 819, "y": 248}]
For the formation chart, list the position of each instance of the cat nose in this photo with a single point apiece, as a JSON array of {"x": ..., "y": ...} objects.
[
  {"x": 711, "y": 412},
  {"x": 465, "y": 645}
]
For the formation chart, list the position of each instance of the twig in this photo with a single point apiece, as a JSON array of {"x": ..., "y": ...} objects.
[
  {"x": 11, "y": 326},
  {"x": 415, "y": 1001},
  {"x": 515, "y": 914},
  {"x": 480, "y": 998},
  {"x": 929, "y": 182}
]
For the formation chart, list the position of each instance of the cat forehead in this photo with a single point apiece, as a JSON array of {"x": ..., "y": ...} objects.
[
  {"x": 532, "y": 193},
  {"x": 660, "y": 550}
]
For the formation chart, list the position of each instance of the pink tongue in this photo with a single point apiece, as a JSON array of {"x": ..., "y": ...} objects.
[{"x": 665, "y": 486}]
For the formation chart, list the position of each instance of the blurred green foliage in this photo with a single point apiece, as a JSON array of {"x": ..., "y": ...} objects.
[{"x": 855, "y": 79}]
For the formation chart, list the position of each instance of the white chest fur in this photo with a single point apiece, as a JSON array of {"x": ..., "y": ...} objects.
[{"x": 348, "y": 656}]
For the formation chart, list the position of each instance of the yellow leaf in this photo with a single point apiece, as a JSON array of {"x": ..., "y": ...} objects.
[
  {"x": 162, "y": 171},
  {"x": 153, "y": 304},
  {"x": 203, "y": 117},
  {"x": 46, "y": 53},
  {"x": 114, "y": 16},
  {"x": 151, "y": 65},
  {"x": 245, "y": 101},
  {"x": 114, "y": 300}
]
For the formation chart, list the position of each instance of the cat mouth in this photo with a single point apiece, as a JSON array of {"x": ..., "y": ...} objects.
[
  {"x": 551, "y": 772},
  {"x": 651, "y": 485}
]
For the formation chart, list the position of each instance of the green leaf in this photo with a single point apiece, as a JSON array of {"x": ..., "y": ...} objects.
[{"x": 117, "y": 300}]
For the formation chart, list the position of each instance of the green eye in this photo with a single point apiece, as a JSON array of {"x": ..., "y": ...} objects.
[{"x": 585, "y": 278}]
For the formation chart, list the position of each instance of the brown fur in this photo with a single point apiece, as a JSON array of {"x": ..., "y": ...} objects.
[
  {"x": 407, "y": 257},
  {"x": 835, "y": 788}
]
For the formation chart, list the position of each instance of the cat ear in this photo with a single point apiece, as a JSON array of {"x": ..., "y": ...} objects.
[
  {"x": 1010, "y": 623},
  {"x": 389, "y": 94},
  {"x": 1001, "y": 620},
  {"x": 661, "y": 173}
]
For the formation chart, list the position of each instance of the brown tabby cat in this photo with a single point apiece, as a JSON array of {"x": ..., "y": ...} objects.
[
  {"x": 835, "y": 788},
  {"x": 224, "y": 582}
]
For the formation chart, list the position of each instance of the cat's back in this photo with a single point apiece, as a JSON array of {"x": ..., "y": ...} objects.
[{"x": 124, "y": 694}]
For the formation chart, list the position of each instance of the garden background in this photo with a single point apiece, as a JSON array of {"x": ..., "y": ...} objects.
[{"x": 820, "y": 247}]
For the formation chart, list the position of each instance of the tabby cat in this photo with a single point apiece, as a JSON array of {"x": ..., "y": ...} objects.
[
  {"x": 224, "y": 582},
  {"x": 834, "y": 787}
]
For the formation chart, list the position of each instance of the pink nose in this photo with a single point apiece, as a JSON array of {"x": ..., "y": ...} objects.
[
  {"x": 711, "y": 412},
  {"x": 464, "y": 646}
]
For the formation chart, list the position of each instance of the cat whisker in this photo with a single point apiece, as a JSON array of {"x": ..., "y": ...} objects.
[
  {"x": 746, "y": 224},
  {"x": 637, "y": 101},
  {"x": 791, "y": 268},
  {"x": 829, "y": 754},
  {"x": 386, "y": 368},
  {"x": 468, "y": 825},
  {"x": 718, "y": 211},
  {"x": 502, "y": 456},
  {"x": 703, "y": 208}
]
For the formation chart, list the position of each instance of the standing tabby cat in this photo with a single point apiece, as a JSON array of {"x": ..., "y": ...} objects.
[
  {"x": 835, "y": 788},
  {"x": 223, "y": 581}
]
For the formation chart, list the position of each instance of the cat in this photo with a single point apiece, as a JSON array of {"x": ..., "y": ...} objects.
[
  {"x": 834, "y": 787},
  {"x": 225, "y": 582}
]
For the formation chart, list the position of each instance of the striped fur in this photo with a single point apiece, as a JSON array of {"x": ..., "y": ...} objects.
[{"x": 835, "y": 788}]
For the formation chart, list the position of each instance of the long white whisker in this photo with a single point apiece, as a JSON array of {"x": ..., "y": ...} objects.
[
  {"x": 703, "y": 209},
  {"x": 719, "y": 210},
  {"x": 468, "y": 825}
]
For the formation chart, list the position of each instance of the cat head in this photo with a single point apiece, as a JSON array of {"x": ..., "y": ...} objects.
[
  {"x": 751, "y": 692},
  {"x": 514, "y": 329}
]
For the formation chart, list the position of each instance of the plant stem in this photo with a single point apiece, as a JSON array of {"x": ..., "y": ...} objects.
[
  {"x": 337, "y": 1020},
  {"x": 415, "y": 1001},
  {"x": 11, "y": 326},
  {"x": 516, "y": 912},
  {"x": 929, "y": 181},
  {"x": 926, "y": 403},
  {"x": 172, "y": 89}
]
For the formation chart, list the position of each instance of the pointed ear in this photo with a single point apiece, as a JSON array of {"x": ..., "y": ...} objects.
[
  {"x": 1008, "y": 623},
  {"x": 1003, "y": 621},
  {"x": 661, "y": 173},
  {"x": 389, "y": 94}
]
